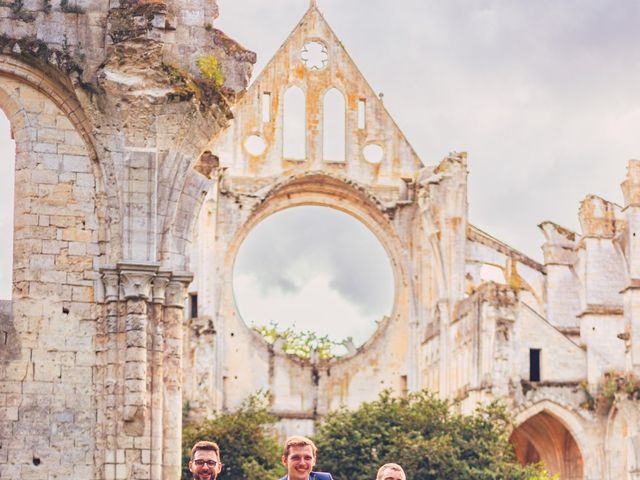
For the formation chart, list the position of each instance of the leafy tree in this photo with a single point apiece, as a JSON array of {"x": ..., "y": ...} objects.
[
  {"x": 425, "y": 437},
  {"x": 248, "y": 449}
]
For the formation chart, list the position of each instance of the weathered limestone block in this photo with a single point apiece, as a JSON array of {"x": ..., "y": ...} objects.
[
  {"x": 599, "y": 268},
  {"x": 562, "y": 283},
  {"x": 560, "y": 244},
  {"x": 629, "y": 242},
  {"x": 599, "y": 218},
  {"x": 631, "y": 185},
  {"x": 50, "y": 357}
]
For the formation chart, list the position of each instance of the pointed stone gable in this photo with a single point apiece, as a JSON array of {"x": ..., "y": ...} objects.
[{"x": 313, "y": 66}]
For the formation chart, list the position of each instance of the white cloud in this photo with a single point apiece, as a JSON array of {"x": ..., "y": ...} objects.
[
  {"x": 315, "y": 306},
  {"x": 317, "y": 268}
]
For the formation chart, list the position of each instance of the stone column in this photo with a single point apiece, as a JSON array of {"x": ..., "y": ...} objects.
[
  {"x": 143, "y": 383},
  {"x": 160, "y": 283},
  {"x": 111, "y": 281},
  {"x": 136, "y": 280},
  {"x": 172, "y": 375}
]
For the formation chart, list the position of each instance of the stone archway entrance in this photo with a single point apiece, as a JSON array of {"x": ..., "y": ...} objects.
[{"x": 543, "y": 438}]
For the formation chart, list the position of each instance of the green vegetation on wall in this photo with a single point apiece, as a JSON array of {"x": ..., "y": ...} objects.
[
  {"x": 301, "y": 344},
  {"x": 210, "y": 69}
]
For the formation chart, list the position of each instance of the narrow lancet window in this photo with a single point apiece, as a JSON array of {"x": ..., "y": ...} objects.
[
  {"x": 193, "y": 305},
  {"x": 362, "y": 123},
  {"x": 333, "y": 126},
  {"x": 534, "y": 365},
  {"x": 294, "y": 125},
  {"x": 266, "y": 107}
]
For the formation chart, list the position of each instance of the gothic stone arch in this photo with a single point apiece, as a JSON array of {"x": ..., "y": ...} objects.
[
  {"x": 552, "y": 434},
  {"x": 253, "y": 183},
  {"x": 59, "y": 233}
]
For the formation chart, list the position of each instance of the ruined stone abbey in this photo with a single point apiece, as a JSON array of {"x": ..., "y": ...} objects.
[{"x": 138, "y": 177}]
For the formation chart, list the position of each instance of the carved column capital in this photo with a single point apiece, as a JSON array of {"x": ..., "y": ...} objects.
[
  {"x": 176, "y": 289},
  {"x": 111, "y": 281},
  {"x": 160, "y": 283},
  {"x": 136, "y": 279}
]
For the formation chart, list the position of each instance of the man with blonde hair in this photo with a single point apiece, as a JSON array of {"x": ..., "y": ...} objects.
[
  {"x": 299, "y": 456},
  {"x": 205, "y": 461},
  {"x": 391, "y": 471}
]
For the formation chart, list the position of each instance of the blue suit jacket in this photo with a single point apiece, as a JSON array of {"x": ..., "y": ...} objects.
[{"x": 314, "y": 476}]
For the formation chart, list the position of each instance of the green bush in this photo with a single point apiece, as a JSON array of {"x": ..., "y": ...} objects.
[
  {"x": 421, "y": 434},
  {"x": 211, "y": 69},
  {"x": 248, "y": 447}
]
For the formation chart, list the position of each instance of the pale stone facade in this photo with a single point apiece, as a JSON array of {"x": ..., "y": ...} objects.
[{"x": 127, "y": 180}]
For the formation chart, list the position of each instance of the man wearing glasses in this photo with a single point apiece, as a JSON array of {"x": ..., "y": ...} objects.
[
  {"x": 205, "y": 461},
  {"x": 300, "y": 457}
]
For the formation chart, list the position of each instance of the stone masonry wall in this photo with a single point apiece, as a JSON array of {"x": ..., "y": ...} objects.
[{"x": 47, "y": 360}]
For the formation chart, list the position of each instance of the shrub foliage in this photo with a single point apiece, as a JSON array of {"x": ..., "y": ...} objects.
[
  {"x": 421, "y": 433},
  {"x": 425, "y": 437},
  {"x": 248, "y": 447}
]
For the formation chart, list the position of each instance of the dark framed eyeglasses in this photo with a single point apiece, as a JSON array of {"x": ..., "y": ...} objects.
[{"x": 201, "y": 463}]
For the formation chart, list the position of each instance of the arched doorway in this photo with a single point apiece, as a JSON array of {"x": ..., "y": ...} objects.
[{"x": 544, "y": 438}]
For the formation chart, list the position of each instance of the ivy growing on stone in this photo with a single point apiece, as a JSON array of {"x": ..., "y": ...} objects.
[{"x": 613, "y": 385}]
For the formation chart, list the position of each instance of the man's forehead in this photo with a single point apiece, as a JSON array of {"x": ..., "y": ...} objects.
[
  {"x": 205, "y": 455},
  {"x": 391, "y": 473},
  {"x": 300, "y": 450}
]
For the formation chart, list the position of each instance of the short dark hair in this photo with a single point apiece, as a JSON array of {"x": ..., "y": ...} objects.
[
  {"x": 298, "y": 441},
  {"x": 205, "y": 445}
]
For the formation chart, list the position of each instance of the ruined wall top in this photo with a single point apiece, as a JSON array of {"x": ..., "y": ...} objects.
[
  {"x": 631, "y": 185},
  {"x": 77, "y": 37},
  {"x": 312, "y": 110}
]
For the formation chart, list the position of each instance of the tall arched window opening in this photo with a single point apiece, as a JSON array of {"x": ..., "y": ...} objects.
[
  {"x": 7, "y": 176},
  {"x": 333, "y": 126},
  {"x": 294, "y": 127}
]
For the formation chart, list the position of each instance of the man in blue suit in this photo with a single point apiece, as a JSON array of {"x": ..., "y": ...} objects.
[{"x": 299, "y": 457}]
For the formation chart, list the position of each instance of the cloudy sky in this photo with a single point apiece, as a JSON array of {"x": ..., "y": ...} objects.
[
  {"x": 316, "y": 269},
  {"x": 544, "y": 96}
]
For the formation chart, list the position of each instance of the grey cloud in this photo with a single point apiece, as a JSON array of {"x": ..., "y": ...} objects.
[
  {"x": 543, "y": 95},
  {"x": 285, "y": 250}
]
